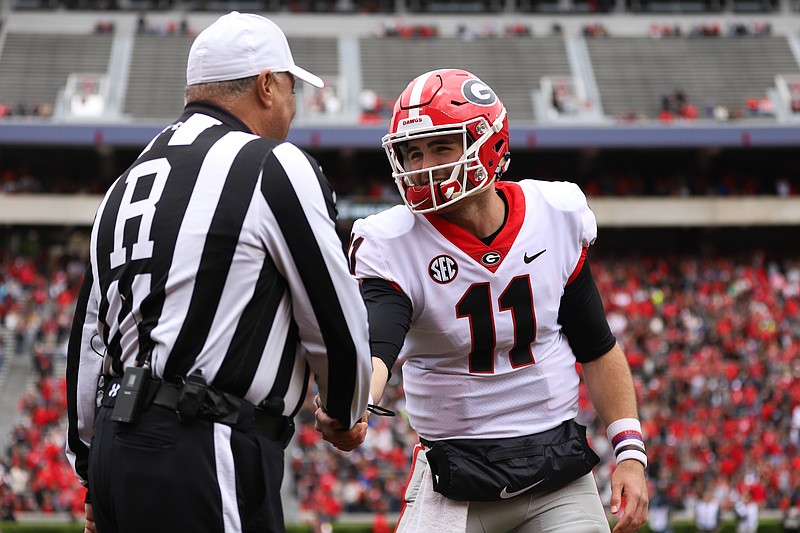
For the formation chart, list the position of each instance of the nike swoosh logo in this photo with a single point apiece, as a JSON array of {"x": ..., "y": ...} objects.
[
  {"x": 506, "y": 495},
  {"x": 529, "y": 258}
]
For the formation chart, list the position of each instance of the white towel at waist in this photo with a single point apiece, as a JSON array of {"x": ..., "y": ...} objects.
[{"x": 433, "y": 512}]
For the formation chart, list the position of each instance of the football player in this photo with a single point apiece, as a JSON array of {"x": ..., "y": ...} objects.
[{"x": 483, "y": 288}]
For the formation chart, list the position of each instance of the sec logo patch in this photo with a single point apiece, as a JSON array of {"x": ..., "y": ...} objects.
[{"x": 443, "y": 269}]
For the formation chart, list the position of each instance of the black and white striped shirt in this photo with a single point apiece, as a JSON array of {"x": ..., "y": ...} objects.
[{"x": 218, "y": 251}]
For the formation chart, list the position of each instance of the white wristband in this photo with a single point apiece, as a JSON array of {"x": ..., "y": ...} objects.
[
  {"x": 637, "y": 455},
  {"x": 626, "y": 437}
]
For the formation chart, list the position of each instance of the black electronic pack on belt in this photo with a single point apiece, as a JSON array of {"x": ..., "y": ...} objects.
[
  {"x": 192, "y": 399},
  {"x": 131, "y": 394}
]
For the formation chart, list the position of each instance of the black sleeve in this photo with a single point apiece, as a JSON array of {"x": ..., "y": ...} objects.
[
  {"x": 389, "y": 311},
  {"x": 583, "y": 318}
]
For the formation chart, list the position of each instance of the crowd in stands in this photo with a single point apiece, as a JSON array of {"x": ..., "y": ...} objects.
[
  {"x": 755, "y": 29},
  {"x": 369, "y": 180},
  {"x": 616, "y": 178},
  {"x": 399, "y": 28},
  {"x": 379, "y": 6},
  {"x": 565, "y": 98},
  {"x": 374, "y": 108},
  {"x": 677, "y": 105},
  {"x": 611, "y": 179},
  {"x": 105, "y": 27},
  {"x": 660, "y": 31},
  {"x": 713, "y": 29},
  {"x": 37, "y": 299},
  {"x": 470, "y": 32},
  {"x": 595, "y": 29},
  {"x": 36, "y": 475},
  {"x": 21, "y": 179},
  {"x": 793, "y": 92},
  {"x": 22, "y": 109},
  {"x": 709, "y": 338},
  {"x": 676, "y": 109},
  {"x": 618, "y": 181},
  {"x": 180, "y": 27}
]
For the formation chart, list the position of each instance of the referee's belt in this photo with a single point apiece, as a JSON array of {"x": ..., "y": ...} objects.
[{"x": 207, "y": 403}]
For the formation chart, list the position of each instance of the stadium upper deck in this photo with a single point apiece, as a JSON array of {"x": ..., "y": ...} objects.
[
  {"x": 130, "y": 75},
  {"x": 127, "y": 67}
]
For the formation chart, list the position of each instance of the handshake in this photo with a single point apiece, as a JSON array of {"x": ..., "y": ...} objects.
[{"x": 332, "y": 431}]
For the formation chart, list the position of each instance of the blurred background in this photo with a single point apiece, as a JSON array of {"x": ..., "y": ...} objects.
[{"x": 680, "y": 119}]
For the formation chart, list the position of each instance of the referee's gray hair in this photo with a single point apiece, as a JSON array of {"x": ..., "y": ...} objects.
[{"x": 223, "y": 92}]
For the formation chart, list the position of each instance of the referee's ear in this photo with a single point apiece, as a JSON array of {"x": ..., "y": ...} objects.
[{"x": 266, "y": 87}]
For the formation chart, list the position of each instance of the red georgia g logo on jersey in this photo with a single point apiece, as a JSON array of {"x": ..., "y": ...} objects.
[{"x": 443, "y": 269}]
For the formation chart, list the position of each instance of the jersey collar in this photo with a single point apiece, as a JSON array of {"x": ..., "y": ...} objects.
[
  {"x": 490, "y": 256},
  {"x": 213, "y": 110}
]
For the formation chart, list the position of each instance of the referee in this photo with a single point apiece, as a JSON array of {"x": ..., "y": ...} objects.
[{"x": 217, "y": 285}]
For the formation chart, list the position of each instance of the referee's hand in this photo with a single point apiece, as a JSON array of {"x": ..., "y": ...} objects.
[
  {"x": 332, "y": 431},
  {"x": 89, "y": 525}
]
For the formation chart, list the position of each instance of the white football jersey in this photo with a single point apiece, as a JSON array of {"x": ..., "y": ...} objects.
[{"x": 485, "y": 356}]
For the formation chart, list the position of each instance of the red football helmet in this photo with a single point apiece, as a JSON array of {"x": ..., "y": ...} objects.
[{"x": 446, "y": 102}]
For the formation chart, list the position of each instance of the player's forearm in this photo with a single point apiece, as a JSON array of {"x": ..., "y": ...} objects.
[
  {"x": 613, "y": 394},
  {"x": 380, "y": 376},
  {"x": 610, "y": 384}
]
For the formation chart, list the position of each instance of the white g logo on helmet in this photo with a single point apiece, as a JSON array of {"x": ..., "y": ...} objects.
[{"x": 478, "y": 93}]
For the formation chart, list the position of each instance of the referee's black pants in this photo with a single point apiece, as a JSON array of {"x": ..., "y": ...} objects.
[{"x": 194, "y": 476}]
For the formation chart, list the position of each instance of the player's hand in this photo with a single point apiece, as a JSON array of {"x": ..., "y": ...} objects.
[
  {"x": 89, "y": 525},
  {"x": 628, "y": 485},
  {"x": 332, "y": 431}
]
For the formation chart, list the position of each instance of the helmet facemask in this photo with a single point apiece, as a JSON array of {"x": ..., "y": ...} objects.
[{"x": 468, "y": 174}]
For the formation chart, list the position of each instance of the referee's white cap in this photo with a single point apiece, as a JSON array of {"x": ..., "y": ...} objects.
[{"x": 239, "y": 45}]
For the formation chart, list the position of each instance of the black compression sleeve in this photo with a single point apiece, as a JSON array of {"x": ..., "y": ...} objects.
[
  {"x": 583, "y": 318},
  {"x": 389, "y": 311}
]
